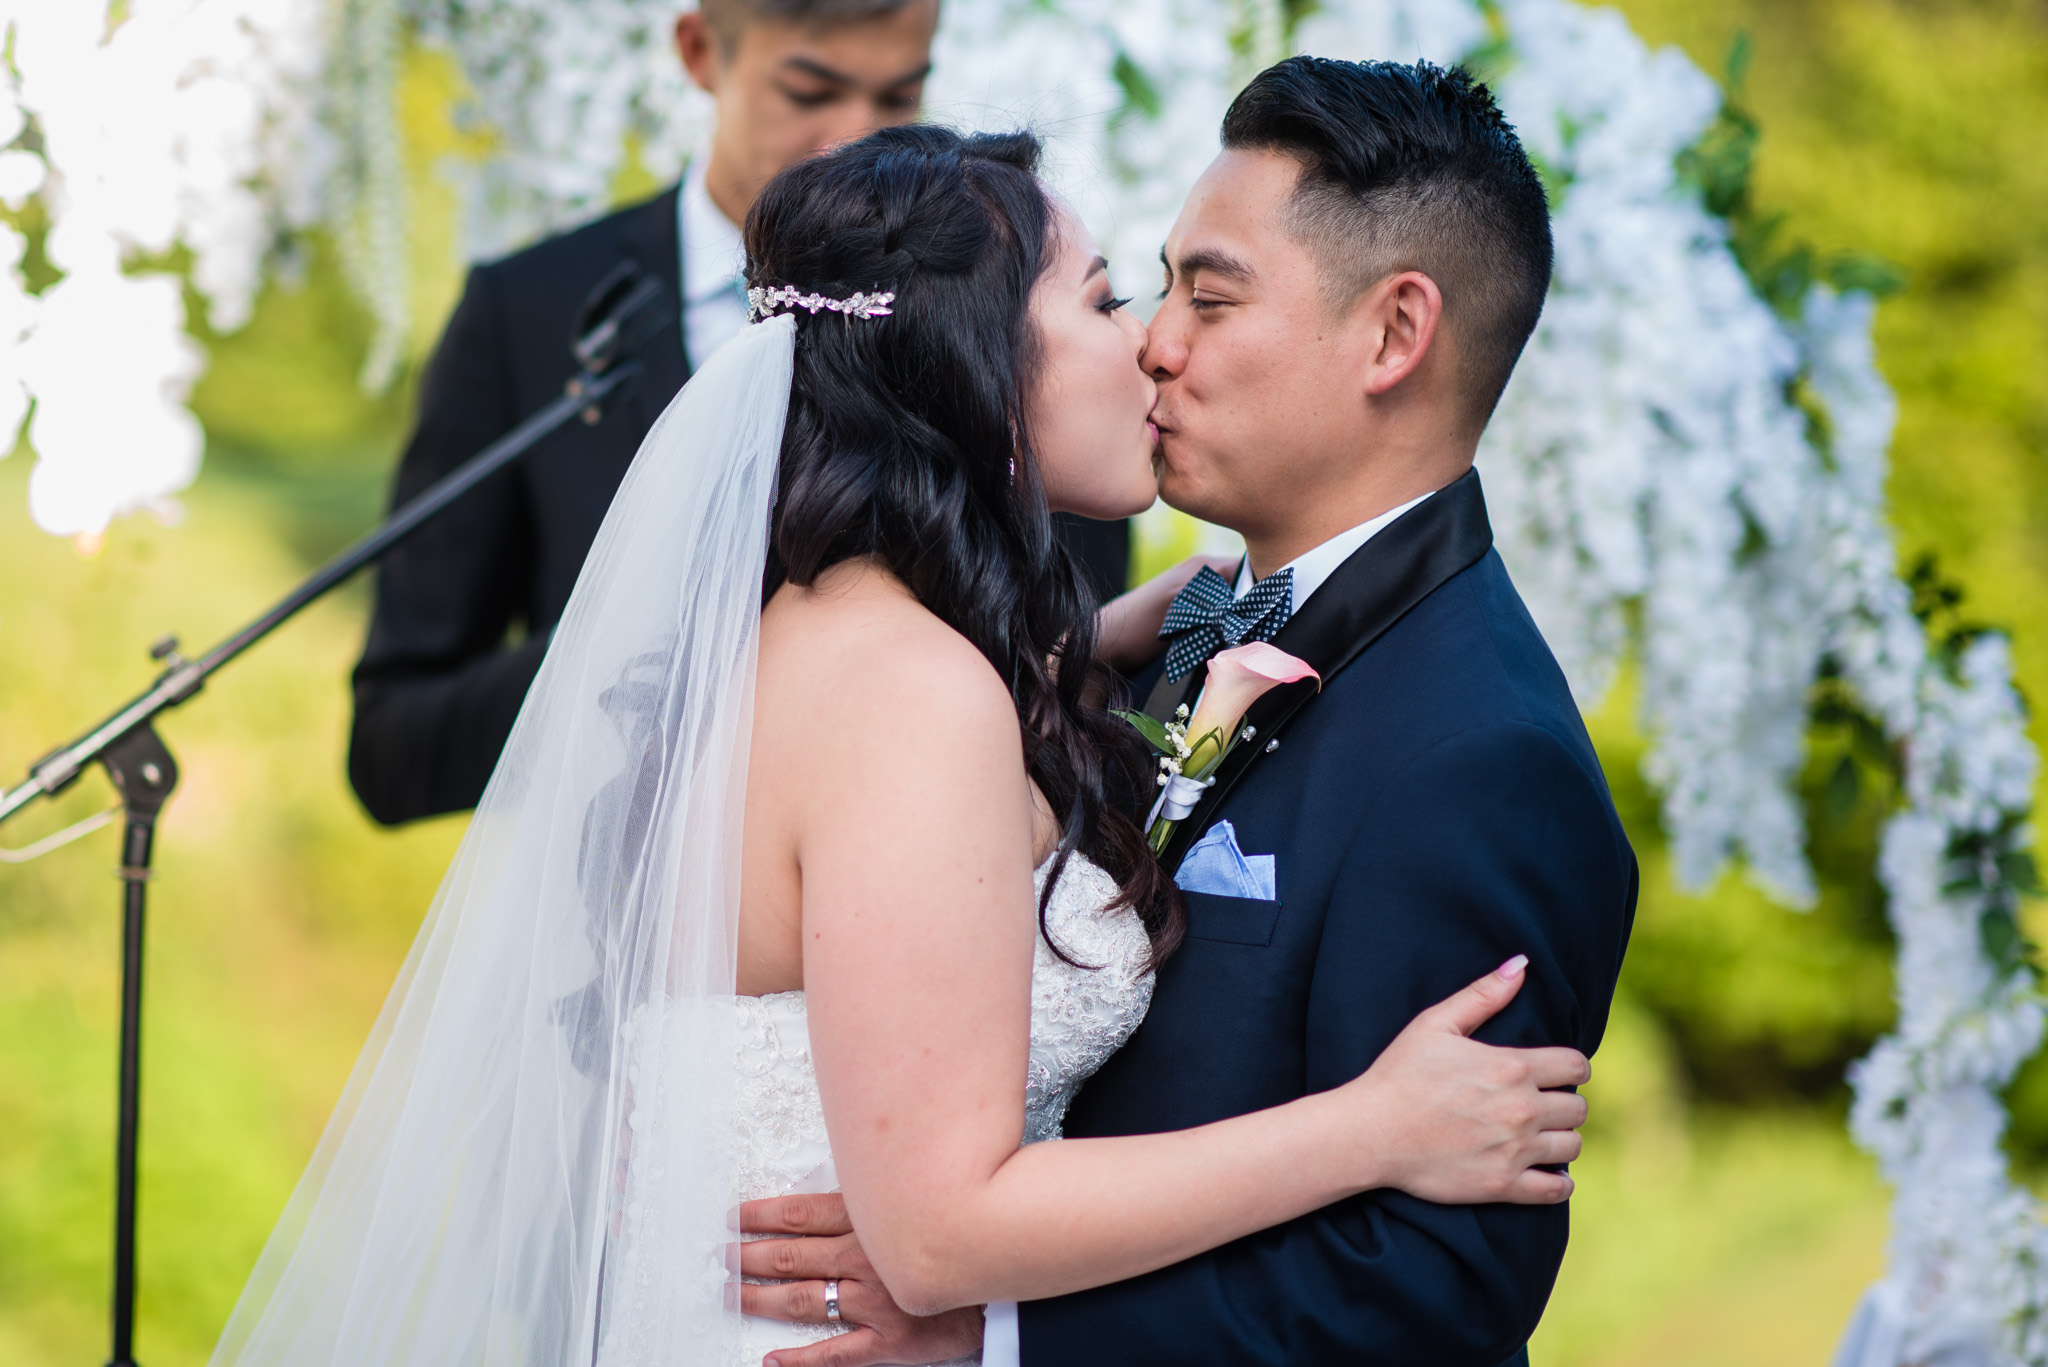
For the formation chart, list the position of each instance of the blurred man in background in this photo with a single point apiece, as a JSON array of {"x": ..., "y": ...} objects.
[{"x": 464, "y": 608}]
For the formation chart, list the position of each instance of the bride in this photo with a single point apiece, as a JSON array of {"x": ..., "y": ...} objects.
[{"x": 839, "y": 892}]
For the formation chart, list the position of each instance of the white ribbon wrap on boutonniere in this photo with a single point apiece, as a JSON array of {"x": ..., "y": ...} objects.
[{"x": 1177, "y": 798}]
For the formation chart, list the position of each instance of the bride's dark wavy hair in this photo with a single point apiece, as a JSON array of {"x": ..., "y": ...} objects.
[{"x": 903, "y": 432}]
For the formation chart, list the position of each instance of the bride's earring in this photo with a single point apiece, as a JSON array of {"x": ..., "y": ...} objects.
[{"x": 1013, "y": 472}]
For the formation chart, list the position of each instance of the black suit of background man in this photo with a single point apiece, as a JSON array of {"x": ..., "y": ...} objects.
[{"x": 464, "y": 608}]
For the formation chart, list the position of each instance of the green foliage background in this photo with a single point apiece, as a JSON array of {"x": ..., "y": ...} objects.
[
  {"x": 1902, "y": 130},
  {"x": 1722, "y": 1216}
]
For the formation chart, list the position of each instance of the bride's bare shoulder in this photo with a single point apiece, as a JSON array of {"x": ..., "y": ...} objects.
[{"x": 859, "y": 641}]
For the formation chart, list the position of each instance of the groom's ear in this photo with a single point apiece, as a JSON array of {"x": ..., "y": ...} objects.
[
  {"x": 1397, "y": 322},
  {"x": 700, "y": 51}
]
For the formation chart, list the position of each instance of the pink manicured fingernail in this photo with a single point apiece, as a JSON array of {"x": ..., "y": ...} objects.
[{"x": 1513, "y": 967}]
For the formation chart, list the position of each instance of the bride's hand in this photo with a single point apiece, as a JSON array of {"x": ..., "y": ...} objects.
[
  {"x": 1458, "y": 1122},
  {"x": 818, "y": 1245},
  {"x": 1127, "y": 627}
]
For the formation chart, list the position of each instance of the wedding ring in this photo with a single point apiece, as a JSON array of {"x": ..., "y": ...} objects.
[{"x": 832, "y": 1302}]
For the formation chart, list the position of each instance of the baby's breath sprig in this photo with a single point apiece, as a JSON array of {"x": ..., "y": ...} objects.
[{"x": 1187, "y": 764}]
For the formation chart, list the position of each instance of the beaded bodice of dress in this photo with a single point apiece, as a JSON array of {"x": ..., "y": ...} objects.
[{"x": 1081, "y": 1013}]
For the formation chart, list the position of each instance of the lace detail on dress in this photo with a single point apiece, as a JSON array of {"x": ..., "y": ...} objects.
[
  {"x": 1081, "y": 1013},
  {"x": 779, "y": 1117}
]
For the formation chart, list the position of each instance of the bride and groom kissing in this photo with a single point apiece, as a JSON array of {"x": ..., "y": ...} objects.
[{"x": 812, "y": 876}]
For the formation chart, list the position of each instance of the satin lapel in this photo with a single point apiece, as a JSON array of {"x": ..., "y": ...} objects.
[
  {"x": 1386, "y": 577},
  {"x": 653, "y": 242},
  {"x": 1166, "y": 695}
]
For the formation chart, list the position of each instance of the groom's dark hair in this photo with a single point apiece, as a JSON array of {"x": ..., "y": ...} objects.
[{"x": 1410, "y": 167}]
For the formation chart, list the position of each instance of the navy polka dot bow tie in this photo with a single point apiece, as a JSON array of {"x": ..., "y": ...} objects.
[{"x": 1206, "y": 616}]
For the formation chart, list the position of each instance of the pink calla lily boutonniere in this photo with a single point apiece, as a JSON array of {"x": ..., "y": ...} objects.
[{"x": 1191, "y": 749}]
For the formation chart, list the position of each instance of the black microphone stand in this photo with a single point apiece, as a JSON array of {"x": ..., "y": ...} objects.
[{"x": 625, "y": 308}]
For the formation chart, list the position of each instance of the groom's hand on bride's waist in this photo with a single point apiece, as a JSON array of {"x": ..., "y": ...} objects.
[{"x": 821, "y": 1247}]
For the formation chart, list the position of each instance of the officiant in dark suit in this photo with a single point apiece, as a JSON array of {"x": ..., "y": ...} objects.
[{"x": 464, "y": 608}]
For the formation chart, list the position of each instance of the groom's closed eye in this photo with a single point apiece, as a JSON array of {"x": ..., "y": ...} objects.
[{"x": 1207, "y": 261}]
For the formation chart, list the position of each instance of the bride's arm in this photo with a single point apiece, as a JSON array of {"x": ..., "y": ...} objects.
[{"x": 918, "y": 923}]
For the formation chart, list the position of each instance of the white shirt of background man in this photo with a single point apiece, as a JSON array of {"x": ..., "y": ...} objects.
[
  {"x": 1000, "y": 1345},
  {"x": 714, "y": 263}
]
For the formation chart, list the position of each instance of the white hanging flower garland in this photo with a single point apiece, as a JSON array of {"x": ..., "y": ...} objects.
[
  {"x": 1656, "y": 485},
  {"x": 154, "y": 134}
]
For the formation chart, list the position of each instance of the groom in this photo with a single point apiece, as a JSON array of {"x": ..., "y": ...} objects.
[{"x": 1348, "y": 289}]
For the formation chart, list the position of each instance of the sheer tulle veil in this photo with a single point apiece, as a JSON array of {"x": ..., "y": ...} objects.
[{"x": 531, "y": 1163}]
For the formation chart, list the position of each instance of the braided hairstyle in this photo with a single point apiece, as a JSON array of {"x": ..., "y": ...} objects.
[{"x": 908, "y": 442}]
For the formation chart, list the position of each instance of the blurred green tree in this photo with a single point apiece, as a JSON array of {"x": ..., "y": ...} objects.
[{"x": 1887, "y": 144}]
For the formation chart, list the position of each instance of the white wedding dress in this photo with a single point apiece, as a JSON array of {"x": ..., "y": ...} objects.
[
  {"x": 536, "y": 1157},
  {"x": 1081, "y": 1013}
]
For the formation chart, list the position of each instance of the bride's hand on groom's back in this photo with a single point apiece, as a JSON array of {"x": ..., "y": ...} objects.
[
  {"x": 819, "y": 1245},
  {"x": 1458, "y": 1122}
]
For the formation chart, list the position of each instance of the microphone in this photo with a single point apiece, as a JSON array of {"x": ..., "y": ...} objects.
[{"x": 626, "y": 308}]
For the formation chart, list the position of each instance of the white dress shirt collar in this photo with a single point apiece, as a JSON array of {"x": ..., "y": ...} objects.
[
  {"x": 1312, "y": 567},
  {"x": 712, "y": 254},
  {"x": 714, "y": 306}
]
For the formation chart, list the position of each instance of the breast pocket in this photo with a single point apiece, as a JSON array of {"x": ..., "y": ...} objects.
[{"x": 1231, "y": 920}]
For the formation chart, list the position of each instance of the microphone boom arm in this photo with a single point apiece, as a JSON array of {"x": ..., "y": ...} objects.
[
  {"x": 626, "y": 308},
  {"x": 56, "y": 771}
]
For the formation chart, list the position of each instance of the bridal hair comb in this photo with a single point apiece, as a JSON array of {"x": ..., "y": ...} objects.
[{"x": 764, "y": 301}]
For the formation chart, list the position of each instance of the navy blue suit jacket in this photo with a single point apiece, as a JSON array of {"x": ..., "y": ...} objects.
[{"x": 1435, "y": 809}]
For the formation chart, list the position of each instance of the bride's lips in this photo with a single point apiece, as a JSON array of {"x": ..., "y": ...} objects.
[{"x": 1152, "y": 430}]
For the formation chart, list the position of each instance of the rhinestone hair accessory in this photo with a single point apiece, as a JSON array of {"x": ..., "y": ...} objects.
[{"x": 765, "y": 301}]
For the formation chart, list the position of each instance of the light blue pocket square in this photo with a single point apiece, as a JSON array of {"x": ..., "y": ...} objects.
[{"x": 1214, "y": 864}]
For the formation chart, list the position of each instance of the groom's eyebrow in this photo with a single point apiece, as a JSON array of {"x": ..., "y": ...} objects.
[{"x": 1213, "y": 261}]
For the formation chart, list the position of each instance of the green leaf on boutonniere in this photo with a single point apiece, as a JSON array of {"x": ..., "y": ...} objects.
[
  {"x": 1205, "y": 752},
  {"x": 1151, "y": 728}
]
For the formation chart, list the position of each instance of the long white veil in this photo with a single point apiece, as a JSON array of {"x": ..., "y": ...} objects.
[{"x": 489, "y": 1190}]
